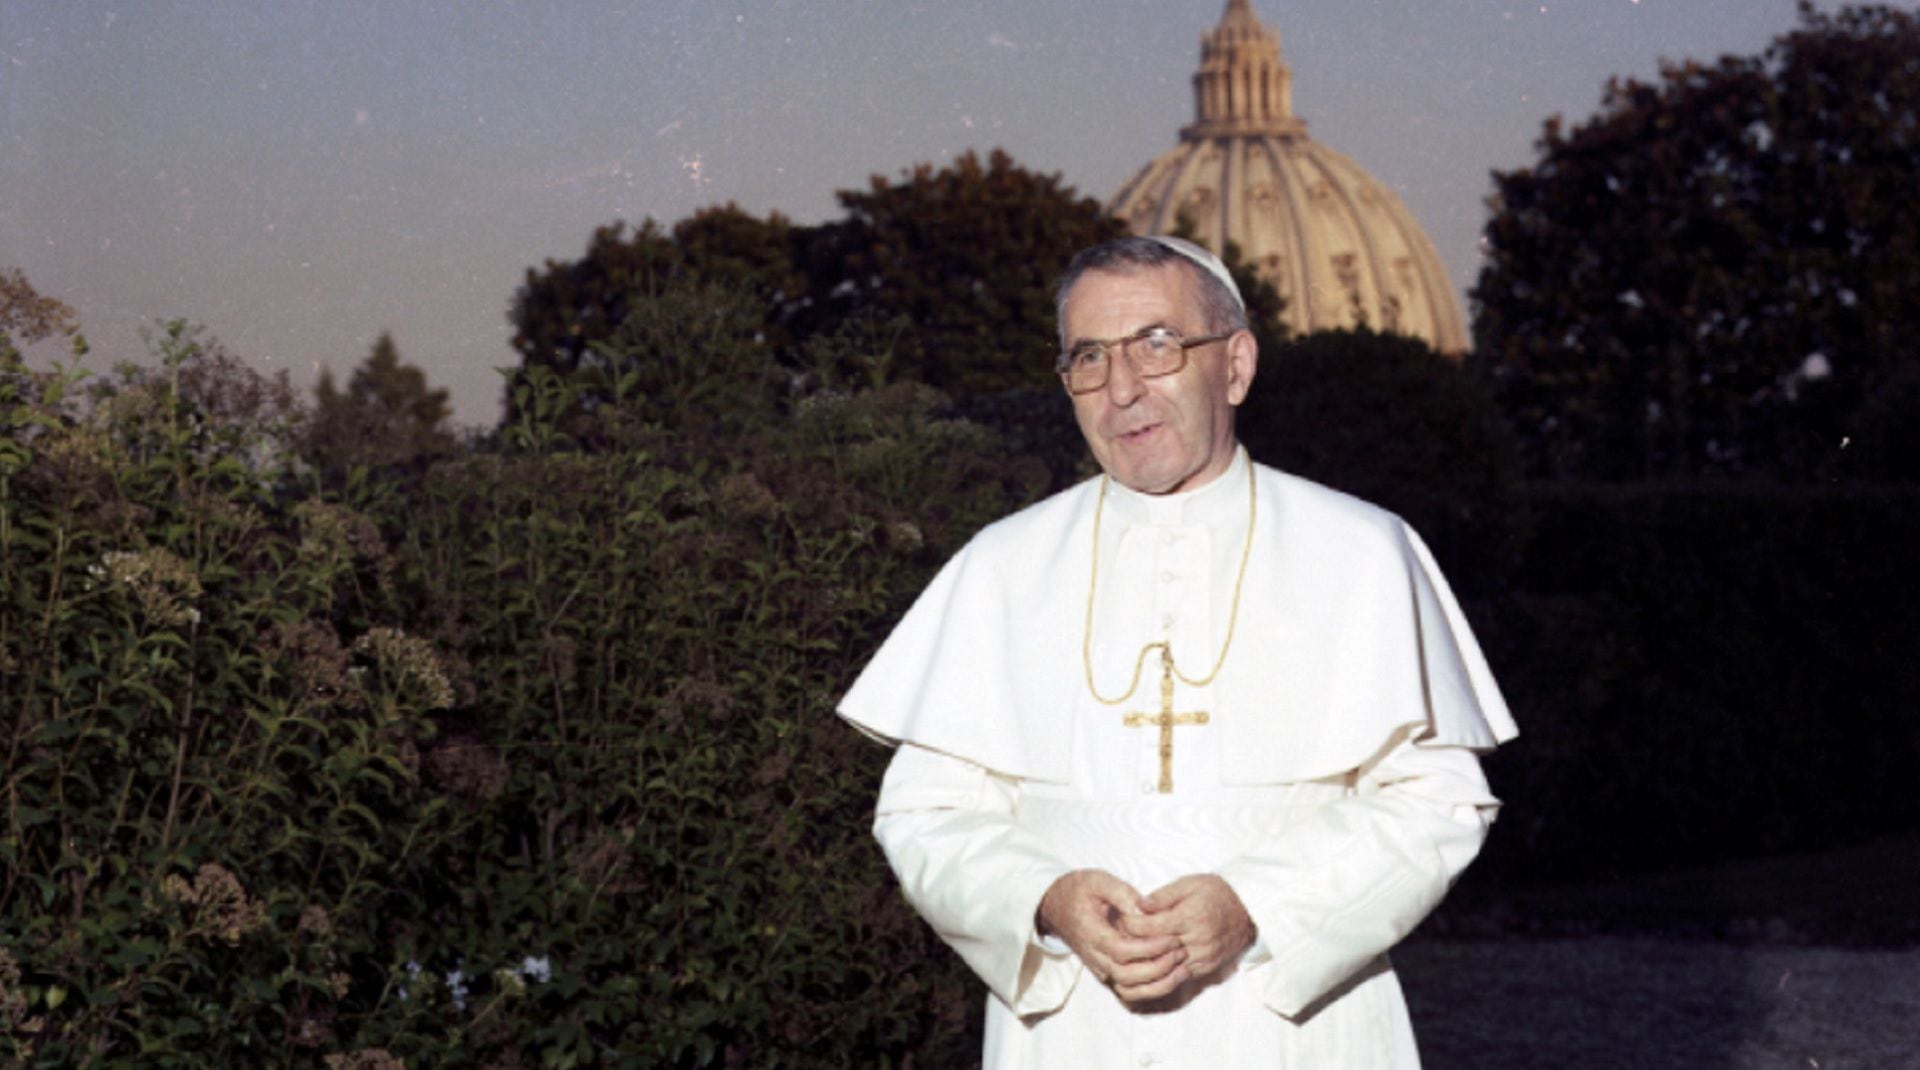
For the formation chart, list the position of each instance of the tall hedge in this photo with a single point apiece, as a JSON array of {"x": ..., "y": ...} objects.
[
  {"x": 528, "y": 758},
  {"x": 1705, "y": 671},
  {"x": 530, "y": 762},
  {"x": 212, "y": 794}
]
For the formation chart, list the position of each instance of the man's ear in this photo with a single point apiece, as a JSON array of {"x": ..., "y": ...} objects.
[{"x": 1243, "y": 360}]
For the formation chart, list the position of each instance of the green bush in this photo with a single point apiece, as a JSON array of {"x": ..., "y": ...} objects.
[
  {"x": 527, "y": 757},
  {"x": 1704, "y": 672},
  {"x": 528, "y": 762},
  {"x": 211, "y": 799},
  {"x": 1386, "y": 418},
  {"x": 658, "y": 638}
]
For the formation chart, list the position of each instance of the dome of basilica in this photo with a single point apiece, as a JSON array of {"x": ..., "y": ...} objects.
[{"x": 1338, "y": 245}]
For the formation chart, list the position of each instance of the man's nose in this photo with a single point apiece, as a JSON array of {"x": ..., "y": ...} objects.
[{"x": 1124, "y": 385}]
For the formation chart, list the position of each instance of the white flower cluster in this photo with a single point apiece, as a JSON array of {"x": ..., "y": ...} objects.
[
  {"x": 162, "y": 585},
  {"x": 508, "y": 980}
]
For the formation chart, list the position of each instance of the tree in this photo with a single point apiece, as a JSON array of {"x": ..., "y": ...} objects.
[
  {"x": 1713, "y": 273},
  {"x": 1886, "y": 440},
  {"x": 688, "y": 361},
  {"x": 30, "y": 401},
  {"x": 1387, "y": 418},
  {"x": 968, "y": 254},
  {"x": 949, "y": 271},
  {"x": 565, "y": 309},
  {"x": 27, "y": 317},
  {"x": 386, "y": 417}
]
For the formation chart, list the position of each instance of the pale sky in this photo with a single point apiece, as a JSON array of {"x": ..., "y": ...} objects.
[{"x": 299, "y": 175}]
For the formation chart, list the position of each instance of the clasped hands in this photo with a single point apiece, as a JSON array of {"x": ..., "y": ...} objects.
[{"x": 1146, "y": 946}]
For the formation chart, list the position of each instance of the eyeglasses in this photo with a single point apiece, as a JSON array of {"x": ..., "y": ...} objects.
[{"x": 1151, "y": 353}]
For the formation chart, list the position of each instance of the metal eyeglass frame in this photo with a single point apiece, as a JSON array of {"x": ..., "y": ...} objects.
[{"x": 1063, "y": 364}]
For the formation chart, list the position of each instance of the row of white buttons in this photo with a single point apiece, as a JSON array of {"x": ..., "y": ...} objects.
[{"x": 1149, "y": 787}]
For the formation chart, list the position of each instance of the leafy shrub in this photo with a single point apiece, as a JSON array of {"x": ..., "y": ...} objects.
[
  {"x": 1386, "y": 418},
  {"x": 657, "y": 638},
  {"x": 1705, "y": 672},
  {"x": 211, "y": 801},
  {"x": 527, "y": 757},
  {"x": 530, "y": 761}
]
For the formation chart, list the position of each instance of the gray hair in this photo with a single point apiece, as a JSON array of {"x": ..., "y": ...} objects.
[{"x": 1219, "y": 298}]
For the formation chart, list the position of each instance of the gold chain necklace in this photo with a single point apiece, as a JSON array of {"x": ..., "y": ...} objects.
[{"x": 1164, "y": 646}]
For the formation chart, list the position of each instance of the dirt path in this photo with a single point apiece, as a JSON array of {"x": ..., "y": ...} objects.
[{"x": 1596, "y": 1003}]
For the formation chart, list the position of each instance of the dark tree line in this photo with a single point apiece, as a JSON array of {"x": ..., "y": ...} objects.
[
  {"x": 1715, "y": 273},
  {"x": 945, "y": 275},
  {"x": 1709, "y": 277},
  {"x": 386, "y": 416}
]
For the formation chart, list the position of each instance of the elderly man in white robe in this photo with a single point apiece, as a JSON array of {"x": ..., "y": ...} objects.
[{"x": 1186, "y": 749}]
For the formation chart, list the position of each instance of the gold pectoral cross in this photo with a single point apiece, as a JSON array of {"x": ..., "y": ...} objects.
[{"x": 1165, "y": 720}]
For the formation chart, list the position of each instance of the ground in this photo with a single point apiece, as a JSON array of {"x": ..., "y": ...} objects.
[
  {"x": 1804, "y": 962},
  {"x": 1601, "y": 1002}
]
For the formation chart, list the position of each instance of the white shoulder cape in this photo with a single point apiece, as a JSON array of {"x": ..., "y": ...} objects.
[{"x": 1348, "y": 634}]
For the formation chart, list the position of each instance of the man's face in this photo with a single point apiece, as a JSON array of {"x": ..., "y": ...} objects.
[{"x": 1172, "y": 432}]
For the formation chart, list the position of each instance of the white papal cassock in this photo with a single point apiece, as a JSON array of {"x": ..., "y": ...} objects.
[{"x": 1335, "y": 786}]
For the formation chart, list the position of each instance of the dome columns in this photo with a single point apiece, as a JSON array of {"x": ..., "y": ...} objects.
[{"x": 1242, "y": 87}]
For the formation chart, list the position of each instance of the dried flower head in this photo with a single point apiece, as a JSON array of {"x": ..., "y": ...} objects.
[
  {"x": 176, "y": 889},
  {"x": 407, "y": 666},
  {"x": 74, "y": 460},
  {"x": 164, "y": 586},
  {"x": 318, "y": 663},
  {"x": 742, "y": 494},
  {"x": 220, "y": 906},
  {"x": 315, "y": 922},
  {"x": 905, "y": 535},
  {"x": 338, "y": 537},
  {"x": 508, "y": 982}
]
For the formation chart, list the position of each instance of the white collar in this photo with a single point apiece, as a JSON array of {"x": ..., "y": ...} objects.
[{"x": 1219, "y": 501}]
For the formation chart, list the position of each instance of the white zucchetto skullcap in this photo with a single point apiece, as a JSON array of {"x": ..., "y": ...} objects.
[{"x": 1205, "y": 259}]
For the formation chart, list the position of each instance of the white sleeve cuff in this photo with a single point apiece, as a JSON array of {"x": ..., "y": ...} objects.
[
  {"x": 1052, "y": 945},
  {"x": 1256, "y": 954},
  {"x": 1047, "y": 976}
]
